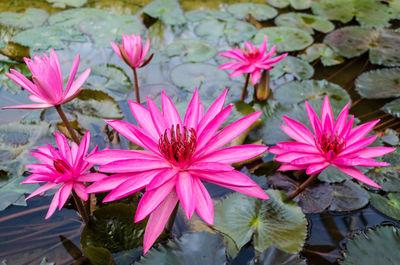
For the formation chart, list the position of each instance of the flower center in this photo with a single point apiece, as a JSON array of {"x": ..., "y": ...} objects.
[
  {"x": 252, "y": 55},
  {"x": 331, "y": 146},
  {"x": 177, "y": 147},
  {"x": 61, "y": 166}
]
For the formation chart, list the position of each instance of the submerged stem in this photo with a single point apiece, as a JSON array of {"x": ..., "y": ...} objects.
[
  {"x": 67, "y": 124},
  {"x": 136, "y": 85},
  {"x": 171, "y": 220},
  {"x": 246, "y": 83},
  {"x": 302, "y": 186},
  {"x": 81, "y": 209}
]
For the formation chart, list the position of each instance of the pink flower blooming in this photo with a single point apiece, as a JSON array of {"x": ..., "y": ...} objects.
[
  {"x": 178, "y": 156},
  {"x": 132, "y": 51},
  {"x": 333, "y": 143},
  {"x": 252, "y": 60},
  {"x": 47, "y": 87},
  {"x": 65, "y": 168}
]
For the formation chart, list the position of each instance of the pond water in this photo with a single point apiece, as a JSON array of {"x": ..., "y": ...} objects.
[{"x": 185, "y": 39}]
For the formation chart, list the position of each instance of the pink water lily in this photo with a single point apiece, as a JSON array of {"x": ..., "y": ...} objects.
[
  {"x": 64, "y": 168},
  {"x": 251, "y": 60},
  {"x": 47, "y": 88},
  {"x": 178, "y": 156},
  {"x": 132, "y": 50},
  {"x": 332, "y": 143}
]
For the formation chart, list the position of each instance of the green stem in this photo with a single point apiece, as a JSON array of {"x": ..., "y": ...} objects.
[
  {"x": 245, "y": 87},
  {"x": 136, "y": 85},
  {"x": 67, "y": 124}
]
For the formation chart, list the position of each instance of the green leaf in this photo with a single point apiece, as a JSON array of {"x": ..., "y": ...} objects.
[
  {"x": 168, "y": 11},
  {"x": 127, "y": 257},
  {"x": 275, "y": 256},
  {"x": 48, "y": 37},
  {"x": 192, "y": 248},
  {"x": 393, "y": 108},
  {"x": 191, "y": 75},
  {"x": 277, "y": 221},
  {"x": 6, "y": 82},
  {"x": 391, "y": 137},
  {"x": 260, "y": 12},
  {"x": 33, "y": 17},
  {"x": 278, "y": 3},
  {"x": 321, "y": 50},
  {"x": 333, "y": 175},
  {"x": 296, "y": 4},
  {"x": 305, "y": 22},
  {"x": 98, "y": 255},
  {"x": 194, "y": 50},
  {"x": 286, "y": 39},
  {"x": 377, "y": 245},
  {"x": 238, "y": 31},
  {"x": 210, "y": 29},
  {"x": 201, "y": 15},
  {"x": 380, "y": 83},
  {"x": 389, "y": 206},
  {"x": 292, "y": 65},
  {"x": 95, "y": 103},
  {"x": 348, "y": 196},
  {"x": 64, "y": 3},
  {"x": 113, "y": 228},
  {"x": 11, "y": 192}
]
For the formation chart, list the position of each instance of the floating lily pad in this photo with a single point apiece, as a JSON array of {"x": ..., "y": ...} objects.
[
  {"x": 275, "y": 256},
  {"x": 348, "y": 196},
  {"x": 168, "y": 11},
  {"x": 391, "y": 137},
  {"x": 110, "y": 79},
  {"x": 296, "y": 4},
  {"x": 65, "y": 3},
  {"x": 210, "y": 29},
  {"x": 292, "y": 65},
  {"x": 192, "y": 248},
  {"x": 393, "y": 108},
  {"x": 312, "y": 91},
  {"x": 389, "y": 206},
  {"x": 98, "y": 255},
  {"x": 333, "y": 175},
  {"x": 191, "y": 75},
  {"x": 33, "y": 17},
  {"x": 7, "y": 83},
  {"x": 113, "y": 228},
  {"x": 286, "y": 39},
  {"x": 95, "y": 103},
  {"x": 377, "y": 245},
  {"x": 194, "y": 50},
  {"x": 238, "y": 31},
  {"x": 313, "y": 199},
  {"x": 305, "y": 22},
  {"x": 44, "y": 38},
  {"x": 321, "y": 50},
  {"x": 258, "y": 11},
  {"x": 381, "y": 83},
  {"x": 100, "y": 25},
  {"x": 127, "y": 257},
  {"x": 383, "y": 44},
  {"x": 200, "y": 15},
  {"x": 13, "y": 191},
  {"x": 277, "y": 221}
]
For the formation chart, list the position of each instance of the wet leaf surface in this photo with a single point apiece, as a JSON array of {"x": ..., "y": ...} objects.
[
  {"x": 296, "y": 4},
  {"x": 13, "y": 190},
  {"x": 348, "y": 196},
  {"x": 388, "y": 177},
  {"x": 65, "y": 3},
  {"x": 275, "y": 256},
  {"x": 258, "y": 11},
  {"x": 168, "y": 11},
  {"x": 305, "y": 22},
  {"x": 194, "y": 50},
  {"x": 32, "y": 17},
  {"x": 292, "y": 65},
  {"x": 7, "y": 83},
  {"x": 381, "y": 83},
  {"x": 320, "y": 50},
  {"x": 393, "y": 108},
  {"x": 389, "y": 205}
]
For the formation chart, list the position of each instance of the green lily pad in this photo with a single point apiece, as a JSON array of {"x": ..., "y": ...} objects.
[
  {"x": 194, "y": 50},
  {"x": 275, "y": 256},
  {"x": 382, "y": 44},
  {"x": 305, "y": 22},
  {"x": 238, "y": 31},
  {"x": 348, "y": 196},
  {"x": 276, "y": 221},
  {"x": 377, "y": 245},
  {"x": 321, "y": 50},
  {"x": 44, "y": 38},
  {"x": 100, "y": 25},
  {"x": 200, "y": 15},
  {"x": 110, "y": 79},
  {"x": 381, "y": 83},
  {"x": 191, "y": 75},
  {"x": 210, "y": 29},
  {"x": 168, "y": 11},
  {"x": 95, "y": 103},
  {"x": 391, "y": 137},
  {"x": 260, "y": 12},
  {"x": 313, "y": 91},
  {"x": 113, "y": 228},
  {"x": 393, "y": 108},
  {"x": 127, "y": 257},
  {"x": 292, "y": 65},
  {"x": 7, "y": 83},
  {"x": 13, "y": 191},
  {"x": 389, "y": 206},
  {"x": 192, "y": 248},
  {"x": 98, "y": 255},
  {"x": 33, "y": 17},
  {"x": 333, "y": 175},
  {"x": 65, "y": 3},
  {"x": 296, "y": 4},
  {"x": 286, "y": 39}
]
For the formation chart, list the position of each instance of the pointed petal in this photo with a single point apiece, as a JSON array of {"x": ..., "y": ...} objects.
[
  {"x": 255, "y": 76},
  {"x": 42, "y": 189},
  {"x": 90, "y": 177},
  {"x": 254, "y": 191},
  {"x": 192, "y": 112},
  {"x": 357, "y": 146},
  {"x": 370, "y": 152},
  {"x": 359, "y": 132},
  {"x": 170, "y": 113},
  {"x": 65, "y": 191},
  {"x": 162, "y": 177},
  {"x": 233, "y": 177},
  {"x": 125, "y": 129},
  {"x": 133, "y": 165},
  {"x": 63, "y": 146},
  {"x": 53, "y": 204},
  {"x": 158, "y": 119},
  {"x": 214, "y": 109},
  {"x": 234, "y": 154},
  {"x": 204, "y": 204},
  {"x": 326, "y": 112},
  {"x": 298, "y": 147},
  {"x": 108, "y": 156},
  {"x": 29, "y": 106},
  {"x": 314, "y": 120},
  {"x": 300, "y": 130},
  {"x": 355, "y": 173},
  {"x": 109, "y": 182},
  {"x": 72, "y": 74},
  {"x": 77, "y": 84},
  {"x": 307, "y": 160},
  {"x": 143, "y": 117},
  {"x": 186, "y": 193},
  {"x": 209, "y": 167},
  {"x": 316, "y": 168}
]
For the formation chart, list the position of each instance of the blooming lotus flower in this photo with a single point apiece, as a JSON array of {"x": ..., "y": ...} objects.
[
  {"x": 132, "y": 51},
  {"x": 65, "y": 168},
  {"x": 47, "y": 87},
  {"x": 332, "y": 143},
  {"x": 252, "y": 60},
  {"x": 178, "y": 156}
]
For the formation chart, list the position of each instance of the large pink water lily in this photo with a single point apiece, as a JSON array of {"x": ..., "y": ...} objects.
[
  {"x": 252, "y": 60},
  {"x": 332, "y": 143},
  {"x": 47, "y": 88},
  {"x": 178, "y": 156},
  {"x": 132, "y": 50},
  {"x": 64, "y": 168}
]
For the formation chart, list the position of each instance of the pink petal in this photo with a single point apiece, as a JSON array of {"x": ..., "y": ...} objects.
[
  {"x": 204, "y": 204},
  {"x": 255, "y": 76},
  {"x": 298, "y": 147},
  {"x": 46, "y": 159},
  {"x": 24, "y": 82},
  {"x": 355, "y": 173},
  {"x": 29, "y": 106},
  {"x": 65, "y": 191},
  {"x": 209, "y": 167},
  {"x": 234, "y": 178},
  {"x": 288, "y": 167},
  {"x": 360, "y": 132},
  {"x": 108, "y": 156},
  {"x": 357, "y": 146},
  {"x": 235, "y": 54},
  {"x": 230, "y": 65},
  {"x": 290, "y": 156},
  {"x": 53, "y": 204},
  {"x": 63, "y": 146},
  {"x": 263, "y": 46},
  {"x": 162, "y": 177},
  {"x": 143, "y": 117},
  {"x": 109, "y": 182},
  {"x": 361, "y": 162},
  {"x": 314, "y": 120},
  {"x": 254, "y": 191},
  {"x": 234, "y": 154},
  {"x": 72, "y": 74},
  {"x": 276, "y": 59},
  {"x": 192, "y": 112},
  {"x": 133, "y": 165},
  {"x": 90, "y": 177},
  {"x": 214, "y": 109},
  {"x": 370, "y": 152},
  {"x": 170, "y": 113},
  {"x": 38, "y": 178},
  {"x": 116, "y": 49},
  {"x": 80, "y": 190},
  {"x": 270, "y": 53},
  {"x": 186, "y": 193},
  {"x": 300, "y": 130},
  {"x": 158, "y": 119},
  {"x": 341, "y": 120},
  {"x": 77, "y": 84},
  {"x": 125, "y": 129},
  {"x": 316, "y": 168},
  {"x": 42, "y": 189},
  {"x": 326, "y": 112},
  {"x": 307, "y": 160}
]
